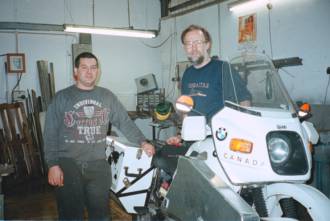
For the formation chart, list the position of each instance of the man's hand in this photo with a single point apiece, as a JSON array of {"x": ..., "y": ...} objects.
[
  {"x": 245, "y": 103},
  {"x": 175, "y": 141},
  {"x": 55, "y": 176},
  {"x": 148, "y": 148}
]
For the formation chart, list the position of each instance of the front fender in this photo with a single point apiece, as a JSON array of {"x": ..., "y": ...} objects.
[{"x": 316, "y": 203}]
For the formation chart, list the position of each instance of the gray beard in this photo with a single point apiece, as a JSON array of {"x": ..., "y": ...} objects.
[{"x": 198, "y": 61}]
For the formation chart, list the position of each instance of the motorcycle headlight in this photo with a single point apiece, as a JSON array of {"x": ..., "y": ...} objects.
[
  {"x": 279, "y": 149},
  {"x": 287, "y": 153}
]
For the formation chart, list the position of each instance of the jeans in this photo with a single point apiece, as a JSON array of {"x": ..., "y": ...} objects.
[{"x": 86, "y": 184}]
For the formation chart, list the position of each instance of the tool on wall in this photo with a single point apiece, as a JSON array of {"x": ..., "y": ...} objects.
[
  {"x": 326, "y": 90},
  {"x": 285, "y": 62},
  {"x": 147, "y": 97}
]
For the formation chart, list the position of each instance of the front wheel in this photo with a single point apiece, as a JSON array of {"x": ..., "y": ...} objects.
[{"x": 296, "y": 201}]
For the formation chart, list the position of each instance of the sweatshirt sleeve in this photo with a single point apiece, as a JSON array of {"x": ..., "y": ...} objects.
[
  {"x": 120, "y": 119},
  {"x": 50, "y": 137}
]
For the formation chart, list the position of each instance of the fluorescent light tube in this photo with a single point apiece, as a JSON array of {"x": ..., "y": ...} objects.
[{"x": 110, "y": 31}]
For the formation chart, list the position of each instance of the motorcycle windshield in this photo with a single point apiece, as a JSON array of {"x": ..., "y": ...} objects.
[{"x": 251, "y": 80}]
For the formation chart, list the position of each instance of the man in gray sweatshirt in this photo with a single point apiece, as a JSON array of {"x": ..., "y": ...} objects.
[{"x": 74, "y": 138}]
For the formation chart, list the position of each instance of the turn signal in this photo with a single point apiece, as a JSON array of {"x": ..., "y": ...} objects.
[
  {"x": 310, "y": 147},
  {"x": 241, "y": 145}
]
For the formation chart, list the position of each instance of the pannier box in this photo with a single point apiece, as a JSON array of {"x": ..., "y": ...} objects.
[{"x": 129, "y": 165}]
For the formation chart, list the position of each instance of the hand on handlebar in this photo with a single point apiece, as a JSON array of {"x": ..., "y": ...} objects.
[
  {"x": 148, "y": 148},
  {"x": 175, "y": 141}
]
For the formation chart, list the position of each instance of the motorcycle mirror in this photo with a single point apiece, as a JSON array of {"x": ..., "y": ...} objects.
[
  {"x": 306, "y": 107},
  {"x": 184, "y": 103}
]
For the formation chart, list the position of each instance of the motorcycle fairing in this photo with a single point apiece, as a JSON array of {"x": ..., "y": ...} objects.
[
  {"x": 197, "y": 193},
  {"x": 254, "y": 167}
]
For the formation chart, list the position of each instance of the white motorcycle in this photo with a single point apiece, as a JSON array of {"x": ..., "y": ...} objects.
[{"x": 247, "y": 163}]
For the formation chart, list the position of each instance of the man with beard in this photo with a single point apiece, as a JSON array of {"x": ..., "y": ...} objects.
[{"x": 208, "y": 82}]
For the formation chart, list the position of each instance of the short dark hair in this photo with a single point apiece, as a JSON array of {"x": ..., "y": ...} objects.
[
  {"x": 84, "y": 55},
  {"x": 206, "y": 34}
]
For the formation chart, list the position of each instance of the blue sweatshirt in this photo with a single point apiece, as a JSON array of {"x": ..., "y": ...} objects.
[{"x": 211, "y": 85}]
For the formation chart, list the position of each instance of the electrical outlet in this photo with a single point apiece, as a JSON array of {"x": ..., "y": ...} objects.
[{"x": 19, "y": 95}]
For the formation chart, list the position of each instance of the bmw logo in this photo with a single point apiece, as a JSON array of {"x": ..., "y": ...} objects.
[{"x": 221, "y": 134}]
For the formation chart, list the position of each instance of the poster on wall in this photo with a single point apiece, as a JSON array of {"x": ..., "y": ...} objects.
[{"x": 247, "y": 29}]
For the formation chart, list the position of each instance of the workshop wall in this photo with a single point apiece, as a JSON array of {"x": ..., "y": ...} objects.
[
  {"x": 122, "y": 59},
  {"x": 295, "y": 28}
]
